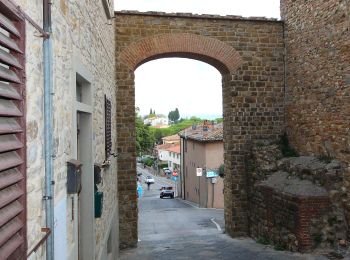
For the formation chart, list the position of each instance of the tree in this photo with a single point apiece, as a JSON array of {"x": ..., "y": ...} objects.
[
  {"x": 174, "y": 116},
  {"x": 144, "y": 137}
]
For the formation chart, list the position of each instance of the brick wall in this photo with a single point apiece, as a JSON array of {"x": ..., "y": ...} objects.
[
  {"x": 285, "y": 219},
  {"x": 318, "y": 76},
  {"x": 249, "y": 53}
]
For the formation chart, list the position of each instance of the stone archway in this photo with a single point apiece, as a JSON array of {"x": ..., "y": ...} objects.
[{"x": 248, "y": 53}]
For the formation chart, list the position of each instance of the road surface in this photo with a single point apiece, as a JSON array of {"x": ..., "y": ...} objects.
[{"x": 174, "y": 229}]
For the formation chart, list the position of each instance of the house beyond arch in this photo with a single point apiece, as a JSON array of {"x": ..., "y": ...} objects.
[{"x": 212, "y": 51}]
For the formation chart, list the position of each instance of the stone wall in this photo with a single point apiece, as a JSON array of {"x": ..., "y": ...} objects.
[
  {"x": 296, "y": 203},
  {"x": 249, "y": 53},
  {"x": 318, "y": 76},
  {"x": 81, "y": 34}
]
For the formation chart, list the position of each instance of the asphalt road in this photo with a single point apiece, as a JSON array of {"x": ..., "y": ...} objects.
[{"x": 174, "y": 229}]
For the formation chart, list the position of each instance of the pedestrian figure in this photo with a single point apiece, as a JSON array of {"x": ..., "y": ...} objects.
[
  {"x": 139, "y": 190},
  {"x": 148, "y": 185}
]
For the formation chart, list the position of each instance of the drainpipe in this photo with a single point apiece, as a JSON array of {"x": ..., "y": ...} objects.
[{"x": 48, "y": 83}]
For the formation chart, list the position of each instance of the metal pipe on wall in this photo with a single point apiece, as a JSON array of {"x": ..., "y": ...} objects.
[{"x": 48, "y": 89}]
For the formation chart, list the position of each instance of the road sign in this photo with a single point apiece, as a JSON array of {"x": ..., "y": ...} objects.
[
  {"x": 199, "y": 172},
  {"x": 211, "y": 174}
]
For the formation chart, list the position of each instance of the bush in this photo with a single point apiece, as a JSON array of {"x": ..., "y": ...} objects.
[{"x": 149, "y": 162}]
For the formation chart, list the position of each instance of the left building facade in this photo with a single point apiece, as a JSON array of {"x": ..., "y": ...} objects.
[{"x": 84, "y": 201}]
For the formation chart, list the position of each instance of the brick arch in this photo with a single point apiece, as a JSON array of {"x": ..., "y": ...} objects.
[
  {"x": 212, "y": 51},
  {"x": 249, "y": 54}
]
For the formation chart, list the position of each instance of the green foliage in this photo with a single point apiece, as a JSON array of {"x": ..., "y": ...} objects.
[
  {"x": 332, "y": 221},
  {"x": 163, "y": 165},
  {"x": 159, "y": 133},
  {"x": 263, "y": 241},
  {"x": 286, "y": 149},
  {"x": 280, "y": 247},
  {"x": 222, "y": 171},
  {"x": 325, "y": 158},
  {"x": 144, "y": 137},
  {"x": 174, "y": 116},
  {"x": 260, "y": 144},
  {"x": 317, "y": 238},
  {"x": 149, "y": 161}
]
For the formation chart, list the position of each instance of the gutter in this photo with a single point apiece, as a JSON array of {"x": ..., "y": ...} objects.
[{"x": 48, "y": 131}]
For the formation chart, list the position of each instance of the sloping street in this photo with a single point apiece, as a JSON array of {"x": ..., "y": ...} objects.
[{"x": 176, "y": 229}]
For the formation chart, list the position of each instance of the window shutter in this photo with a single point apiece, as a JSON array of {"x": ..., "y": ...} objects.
[
  {"x": 108, "y": 130},
  {"x": 12, "y": 136}
]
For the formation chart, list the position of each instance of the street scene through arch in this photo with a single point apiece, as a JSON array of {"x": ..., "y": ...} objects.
[
  {"x": 170, "y": 149},
  {"x": 248, "y": 62}
]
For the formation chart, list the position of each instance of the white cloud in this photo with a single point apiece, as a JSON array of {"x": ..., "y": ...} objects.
[{"x": 193, "y": 87}]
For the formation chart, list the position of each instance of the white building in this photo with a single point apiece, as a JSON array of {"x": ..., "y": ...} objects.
[
  {"x": 158, "y": 121},
  {"x": 173, "y": 157}
]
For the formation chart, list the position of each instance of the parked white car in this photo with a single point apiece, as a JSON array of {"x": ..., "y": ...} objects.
[{"x": 149, "y": 179}]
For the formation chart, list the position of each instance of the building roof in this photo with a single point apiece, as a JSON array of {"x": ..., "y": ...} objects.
[
  {"x": 174, "y": 149},
  {"x": 163, "y": 146},
  {"x": 205, "y": 132},
  {"x": 171, "y": 138}
]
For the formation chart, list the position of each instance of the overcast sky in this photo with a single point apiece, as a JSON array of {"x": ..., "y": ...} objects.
[{"x": 192, "y": 86}]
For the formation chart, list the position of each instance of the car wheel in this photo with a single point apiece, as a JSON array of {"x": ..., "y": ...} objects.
[{"x": 160, "y": 197}]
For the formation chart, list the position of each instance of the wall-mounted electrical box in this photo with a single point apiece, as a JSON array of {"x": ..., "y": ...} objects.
[
  {"x": 73, "y": 176},
  {"x": 98, "y": 204}
]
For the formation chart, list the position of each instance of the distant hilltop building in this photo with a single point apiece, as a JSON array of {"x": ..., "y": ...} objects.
[{"x": 157, "y": 121}]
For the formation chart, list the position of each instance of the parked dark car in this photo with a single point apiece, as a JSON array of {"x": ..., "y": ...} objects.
[{"x": 166, "y": 192}]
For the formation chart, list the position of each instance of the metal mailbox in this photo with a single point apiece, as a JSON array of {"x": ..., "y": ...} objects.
[{"x": 73, "y": 176}]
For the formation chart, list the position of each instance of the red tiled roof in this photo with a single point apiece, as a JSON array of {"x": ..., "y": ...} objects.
[
  {"x": 163, "y": 146},
  {"x": 171, "y": 137},
  {"x": 214, "y": 132},
  {"x": 174, "y": 149}
]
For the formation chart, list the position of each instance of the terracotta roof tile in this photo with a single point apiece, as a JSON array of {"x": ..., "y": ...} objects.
[
  {"x": 204, "y": 133},
  {"x": 174, "y": 149}
]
